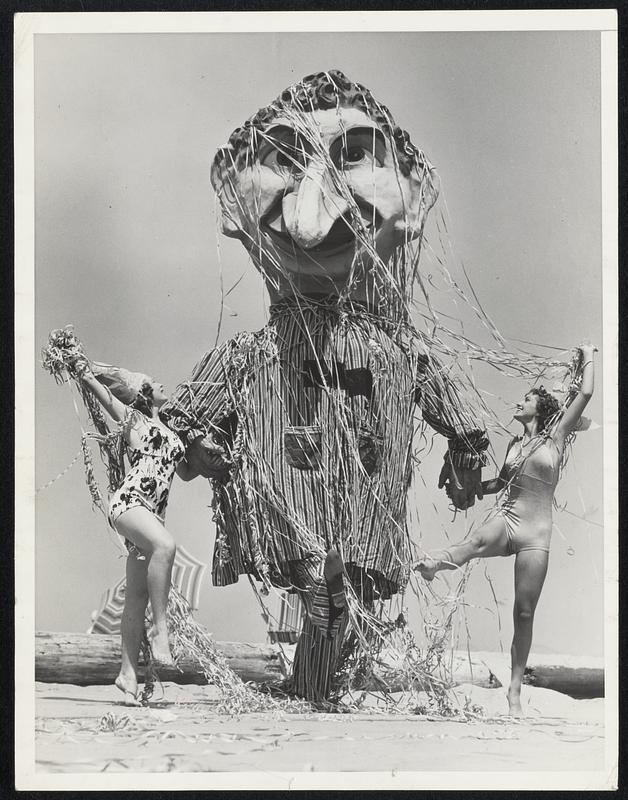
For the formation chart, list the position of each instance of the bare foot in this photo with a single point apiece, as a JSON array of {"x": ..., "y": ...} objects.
[
  {"x": 428, "y": 567},
  {"x": 160, "y": 649},
  {"x": 514, "y": 703},
  {"x": 128, "y": 688}
]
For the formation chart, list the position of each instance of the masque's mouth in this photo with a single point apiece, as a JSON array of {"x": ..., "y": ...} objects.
[{"x": 342, "y": 235}]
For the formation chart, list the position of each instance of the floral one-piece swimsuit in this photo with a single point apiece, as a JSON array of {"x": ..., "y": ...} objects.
[{"x": 153, "y": 464}]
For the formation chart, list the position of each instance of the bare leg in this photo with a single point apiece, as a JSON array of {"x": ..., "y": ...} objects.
[
  {"x": 530, "y": 571},
  {"x": 132, "y": 628},
  {"x": 489, "y": 540},
  {"x": 143, "y": 528}
]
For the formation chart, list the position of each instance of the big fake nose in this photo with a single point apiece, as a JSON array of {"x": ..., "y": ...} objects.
[{"x": 310, "y": 211}]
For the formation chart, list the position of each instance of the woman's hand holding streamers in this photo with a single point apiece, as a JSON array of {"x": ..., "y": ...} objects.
[
  {"x": 587, "y": 349},
  {"x": 79, "y": 366}
]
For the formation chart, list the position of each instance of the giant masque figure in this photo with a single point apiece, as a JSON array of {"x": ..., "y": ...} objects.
[{"x": 305, "y": 427}]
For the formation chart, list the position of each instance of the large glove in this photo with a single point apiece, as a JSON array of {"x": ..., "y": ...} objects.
[
  {"x": 208, "y": 458},
  {"x": 462, "y": 485}
]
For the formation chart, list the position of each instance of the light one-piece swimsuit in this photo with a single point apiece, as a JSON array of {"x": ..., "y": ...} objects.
[
  {"x": 526, "y": 508},
  {"x": 153, "y": 464}
]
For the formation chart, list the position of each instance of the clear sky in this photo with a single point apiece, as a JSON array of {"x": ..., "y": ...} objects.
[{"x": 128, "y": 250}]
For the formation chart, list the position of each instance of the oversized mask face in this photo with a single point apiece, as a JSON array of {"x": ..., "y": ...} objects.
[{"x": 320, "y": 201}]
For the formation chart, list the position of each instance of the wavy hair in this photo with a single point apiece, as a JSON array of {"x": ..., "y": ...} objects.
[
  {"x": 547, "y": 406},
  {"x": 144, "y": 400}
]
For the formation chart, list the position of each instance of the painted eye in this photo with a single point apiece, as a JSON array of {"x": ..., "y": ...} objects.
[
  {"x": 291, "y": 158},
  {"x": 353, "y": 155},
  {"x": 284, "y": 158},
  {"x": 358, "y": 147}
]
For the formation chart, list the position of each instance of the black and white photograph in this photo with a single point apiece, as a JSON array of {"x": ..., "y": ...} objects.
[{"x": 316, "y": 367}]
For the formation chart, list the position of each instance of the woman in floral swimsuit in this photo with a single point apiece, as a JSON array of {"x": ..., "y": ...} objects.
[
  {"x": 136, "y": 511},
  {"x": 154, "y": 460}
]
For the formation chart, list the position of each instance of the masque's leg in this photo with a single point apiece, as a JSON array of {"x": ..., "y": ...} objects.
[
  {"x": 323, "y": 631},
  {"x": 316, "y": 656},
  {"x": 315, "y": 660},
  {"x": 332, "y": 572}
]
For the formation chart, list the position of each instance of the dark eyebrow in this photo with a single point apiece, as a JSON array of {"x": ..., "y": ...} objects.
[
  {"x": 282, "y": 138},
  {"x": 361, "y": 130},
  {"x": 280, "y": 135}
]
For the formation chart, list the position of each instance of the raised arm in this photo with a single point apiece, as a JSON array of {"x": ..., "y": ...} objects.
[
  {"x": 114, "y": 407},
  {"x": 571, "y": 417},
  {"x": 444, "y": 411}
]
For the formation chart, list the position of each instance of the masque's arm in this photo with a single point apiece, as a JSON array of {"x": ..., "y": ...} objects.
[
  {"x": 199, "y": 402},
  {"x": 443, "y": 410}
]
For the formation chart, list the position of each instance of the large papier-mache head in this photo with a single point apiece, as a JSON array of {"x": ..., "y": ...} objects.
[{"x": 325, "y": 190}]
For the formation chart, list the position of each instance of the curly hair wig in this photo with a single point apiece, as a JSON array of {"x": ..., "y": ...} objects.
[{"x": 320, "y": 91}]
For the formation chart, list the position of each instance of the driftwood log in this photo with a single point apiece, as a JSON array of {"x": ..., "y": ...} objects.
[
  {"x": 579, "y": 677},
  {"x": 93, "y": 659},
  {"x": 583, "y": 683}
]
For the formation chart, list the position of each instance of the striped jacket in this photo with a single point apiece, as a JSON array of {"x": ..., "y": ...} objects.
[{"x": 317, "y": 411}]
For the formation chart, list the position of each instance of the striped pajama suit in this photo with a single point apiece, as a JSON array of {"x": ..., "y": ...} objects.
[{"x": 317, "y": 413}]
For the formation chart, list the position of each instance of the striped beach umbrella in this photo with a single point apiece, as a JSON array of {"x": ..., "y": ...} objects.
[
  {"x": 285, "y": 620},
  {"x": 106, "y": 619},
  {"x": 187, "y": 574}
]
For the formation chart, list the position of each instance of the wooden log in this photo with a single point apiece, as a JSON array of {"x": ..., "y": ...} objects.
[
  {"x": 474, "y": 671},
  {"x": 91, "y": 659},
  {"x": 458, "y": 669},
  {"x": 582, "y": 683},
  {"x": 580, "y": 677}
]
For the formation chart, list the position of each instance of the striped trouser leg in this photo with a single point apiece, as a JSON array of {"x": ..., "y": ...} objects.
[{"x": 315, "y": 660}]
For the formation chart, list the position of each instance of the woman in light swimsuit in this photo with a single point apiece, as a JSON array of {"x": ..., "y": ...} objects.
[
  {"x": 522, "y": 522},
  {"x": 136, "y": 511}
]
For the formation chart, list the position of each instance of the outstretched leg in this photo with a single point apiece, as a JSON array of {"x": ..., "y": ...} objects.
[
  {"x": 142, "y": 527},
  {"x": 530, "y": 571},
  {"x": 132, "y": 628},
  {"x": 489, "y": 540}
]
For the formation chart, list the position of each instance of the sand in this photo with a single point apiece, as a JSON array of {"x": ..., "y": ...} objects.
[{"x": 88, "y": 730}]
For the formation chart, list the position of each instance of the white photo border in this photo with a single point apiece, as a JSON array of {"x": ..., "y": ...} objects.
[{"x": 27, "y": 27}]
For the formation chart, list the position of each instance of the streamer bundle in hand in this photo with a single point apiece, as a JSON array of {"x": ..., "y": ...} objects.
[
  {"x": 62, "y": 354},
  {"x": 64, "y": 358}
]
